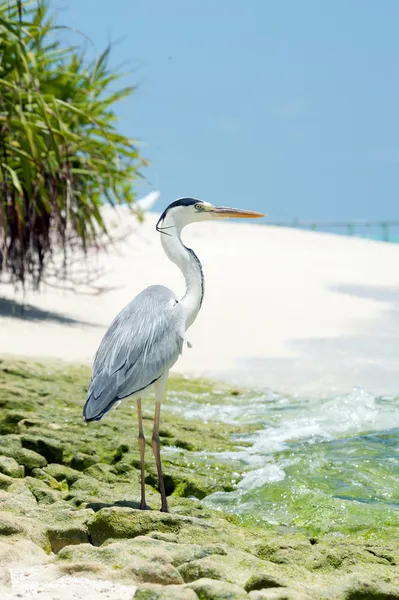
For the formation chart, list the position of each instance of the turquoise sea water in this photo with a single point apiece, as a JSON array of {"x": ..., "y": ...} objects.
[
  {"x": 324, "y": 466},
  {"x": 382, "y": 233},
  {"x": 391, "y": 235}
]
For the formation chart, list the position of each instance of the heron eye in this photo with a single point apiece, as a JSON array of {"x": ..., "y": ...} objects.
[{"x": 199, "y": 207}]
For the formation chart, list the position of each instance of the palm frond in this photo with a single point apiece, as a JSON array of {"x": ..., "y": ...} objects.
[{"x": 61, "y": 156}]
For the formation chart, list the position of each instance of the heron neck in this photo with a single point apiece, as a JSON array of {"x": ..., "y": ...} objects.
[{"x": 190, "y": 266}]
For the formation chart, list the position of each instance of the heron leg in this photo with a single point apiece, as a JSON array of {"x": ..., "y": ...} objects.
[
  {"x": 143, "y": 505},
  {"x": 156, "y": 445}
]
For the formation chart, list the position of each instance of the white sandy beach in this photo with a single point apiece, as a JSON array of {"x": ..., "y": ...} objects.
[{"x": 295, "y": 311}]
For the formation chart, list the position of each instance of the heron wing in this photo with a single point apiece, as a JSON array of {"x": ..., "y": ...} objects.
[{"x": 142, "y": 342}]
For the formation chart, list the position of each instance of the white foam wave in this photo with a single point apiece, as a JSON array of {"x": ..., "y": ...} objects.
[
  {"x": 270, "y": 473},
  {"x": 285, "y": 422}
]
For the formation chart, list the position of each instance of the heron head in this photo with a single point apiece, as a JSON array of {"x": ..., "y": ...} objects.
[{"x": 191, "y": 210}]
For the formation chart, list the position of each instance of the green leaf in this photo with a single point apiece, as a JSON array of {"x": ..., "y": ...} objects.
[{"x": 14, "y": 177}]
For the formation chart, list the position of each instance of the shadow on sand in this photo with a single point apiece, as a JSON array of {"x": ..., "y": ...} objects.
[{"x": 16, "y": 310}]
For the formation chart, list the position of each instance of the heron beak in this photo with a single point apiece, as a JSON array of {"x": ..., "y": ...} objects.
[{"x": 224, "y": 212}]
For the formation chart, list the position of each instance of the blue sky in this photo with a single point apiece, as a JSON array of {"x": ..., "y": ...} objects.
[{"x": 285, "y": 106}]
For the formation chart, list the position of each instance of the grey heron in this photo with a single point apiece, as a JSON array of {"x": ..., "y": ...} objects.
[{"x": 146, "y": 338}]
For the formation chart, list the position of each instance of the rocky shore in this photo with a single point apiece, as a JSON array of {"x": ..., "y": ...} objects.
[{"x": 69, "y": 505}]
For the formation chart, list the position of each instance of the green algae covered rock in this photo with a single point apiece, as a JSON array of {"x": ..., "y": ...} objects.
[
  {"x": 44, "y": 476},
  {"x": 261, "y": 581},
  {"x": 171, "y": 592},
  {"x": 61, "y": 536},
  {"x": 9, "y": 420},
  {"x": 198, "y": 569},
  {"x": 144, "y": 571},
  {"x": 371, "y": 591},
  {"x": 51, "y": 449},
  {"x": 10, "y": 467},
  {"x": 123, "y": 522},
  {"x": 30, "y": 459},
  {"x": 234, "y": 566},
  {"x": 81, "y": 461},
  {"x": 102, "y": 472},
  {"x": 11, "y": 446},
  {"x": 130, "y": 560},
  {"x": 5, "y": 481},
  {"x": 63, "y": 473},
  {"x": 189, "y": 553},
  {"x": 10, "y": 525},
  {"x": 209, "y": 589}
]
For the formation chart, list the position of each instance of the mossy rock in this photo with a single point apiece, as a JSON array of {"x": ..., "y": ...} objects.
[
  {"x": 52, "y": 450},
  {"x": 63, "y": 473},
  {"x": 234, "y": 566},
  {"x": 12, "y": 396},
  {"x": 261, "y": 581},
  {"x": 121, "y": 522},
  {"x": 10, "y": 525},
  {"x": 284, "y": 549},
  {"x": 30, "y": 459},
  {"x": 209, "y": 589},
  {"x": 133, "y": 561},
  {"x": 81, "y": 461},
  {"x": 120, "y": 452},
  {"x": 152, "y": 560},
  {"x": 197, "y": 569},
  {"x": 146, "y": 571},
  {"x": 45, "y": 489},
  {"x": 9, "y": 421},
  {"x": 171, "y": 592},
  {"x": 5, "y": 481},
  {"x": 10, "y": 445},
  {"x": 47, "y": 479},
  {"x": 10, "y": 467},
  {"x": 187, "y": 553},
  {"x": 102, "y": 472},
  {"x": 18, "y": 498},
  {"x": 90, "y": 485},
  {"x": 50, "y": 524},
  {"x": 186, "y": 483},
  {"x": 191, "y": 487},
  {"x": 44, "y": 495},
  {"x": 367, "y": 591},
  {"x": 60, "y": 537}
]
